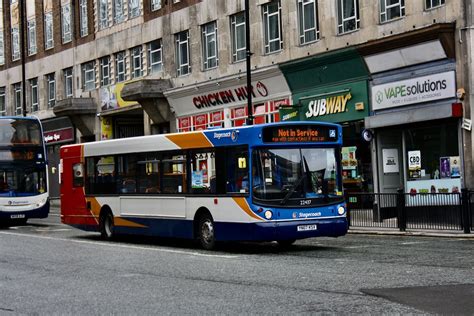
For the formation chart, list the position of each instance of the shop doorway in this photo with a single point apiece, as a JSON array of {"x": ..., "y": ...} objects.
[{"x": 390, "y": 162}]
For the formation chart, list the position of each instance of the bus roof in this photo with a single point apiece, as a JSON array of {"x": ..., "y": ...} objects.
[{"x": 221, "y": 137}]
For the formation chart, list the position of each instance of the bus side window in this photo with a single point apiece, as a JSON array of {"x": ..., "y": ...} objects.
[
  {"x": 237, "y": 170},
  {"x": 78, "y": 175}
]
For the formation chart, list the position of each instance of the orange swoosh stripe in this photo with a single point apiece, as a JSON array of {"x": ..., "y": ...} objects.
[
  {"x": 242, "y": 203},
  {"x": 190, "y": 140},
  {"x": 118, "y": 221}
]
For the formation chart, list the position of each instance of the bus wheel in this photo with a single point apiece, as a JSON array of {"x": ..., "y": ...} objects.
[
  {"x": 286, "y": 243},
  {"x": 206, "y": 232},
  {"x": 106, "y": 224}
]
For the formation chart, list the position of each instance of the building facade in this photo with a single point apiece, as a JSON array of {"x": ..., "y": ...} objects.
[{"x": 122, "y": 68}]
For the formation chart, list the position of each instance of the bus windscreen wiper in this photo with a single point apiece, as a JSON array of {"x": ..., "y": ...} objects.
[{"x": 292, "y": 189}]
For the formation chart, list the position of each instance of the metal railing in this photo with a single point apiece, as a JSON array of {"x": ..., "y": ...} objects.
[{"x": 405, "y": 211}]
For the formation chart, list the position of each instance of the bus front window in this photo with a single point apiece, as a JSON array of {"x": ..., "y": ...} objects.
[
  {"x": 22, "y": 182},
  {"x": 284, "y": 174}
]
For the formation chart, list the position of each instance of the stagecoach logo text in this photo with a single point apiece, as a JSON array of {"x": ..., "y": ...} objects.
[
  {"x": 232, "y": 135},
  {"x": 306, "y": 215}
]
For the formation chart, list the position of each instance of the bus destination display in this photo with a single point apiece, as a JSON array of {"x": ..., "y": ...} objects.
[{"x": 299, "y": 134}]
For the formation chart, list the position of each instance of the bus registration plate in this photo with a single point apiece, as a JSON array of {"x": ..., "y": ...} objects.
[
  {"x": 16, "y": 216},
  {"x": 303, "y": 228}
]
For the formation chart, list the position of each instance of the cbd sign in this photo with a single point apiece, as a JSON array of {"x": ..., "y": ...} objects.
[{"x": 414, "y": 160}]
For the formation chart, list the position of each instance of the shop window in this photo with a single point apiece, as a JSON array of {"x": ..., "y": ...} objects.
[
  {"x": 200, "y": 122},
  {"x": 203, "y": 172},
  {"x": 217, "y": 119},
  {"x": 184, "y": 124},
  {"x": 174, "y": 173},
  {"x": 433, "y": 161},
  {"x": 238, "y": 116}
]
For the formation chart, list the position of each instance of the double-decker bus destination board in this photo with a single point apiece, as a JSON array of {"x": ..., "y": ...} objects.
[{"x": 299, "y": 134}]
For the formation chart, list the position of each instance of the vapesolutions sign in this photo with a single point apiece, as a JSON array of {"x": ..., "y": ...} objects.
[{"x": 417, "y": 90}]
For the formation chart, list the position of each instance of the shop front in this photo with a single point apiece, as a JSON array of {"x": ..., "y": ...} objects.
[
  {"x": 416, "y": 123},
  {"x": 119, "y": 118},
  {"x": 334, "y": 88},
  {"x": 56, "y": 133},
  {"x": 223, "y": 102}
]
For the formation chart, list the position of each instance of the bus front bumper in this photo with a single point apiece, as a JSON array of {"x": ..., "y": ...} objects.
[
  {"x": 41, "y": 212},
  {"x": 284, "y": 230}
]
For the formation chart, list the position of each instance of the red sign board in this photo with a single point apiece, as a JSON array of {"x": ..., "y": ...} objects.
[{"x": 59, "y": 136}]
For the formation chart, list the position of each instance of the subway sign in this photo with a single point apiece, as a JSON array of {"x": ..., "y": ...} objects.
[{"x": 299, "y": 134}]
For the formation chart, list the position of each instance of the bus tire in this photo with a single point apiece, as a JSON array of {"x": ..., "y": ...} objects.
[
  {"x": 206, "y": 232},
  {"x": 106, "y": 224},
  {"x": 286, "y": 243}
]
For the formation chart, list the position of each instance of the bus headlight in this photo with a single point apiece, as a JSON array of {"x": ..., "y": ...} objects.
[
  {"x": 341, "y": 210},
  {"x": 268, "y": 214}
]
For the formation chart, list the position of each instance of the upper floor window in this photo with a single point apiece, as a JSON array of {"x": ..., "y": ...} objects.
[
  {"x": 105, "y": 71},
  {"x": 17, "y": 98},
  {"x": 68, "y": 83},
  {"x": 209, "y": 45},
  {"x": 103, "y": 14},
  {"x": 120, "y": 64},
  {"x": 34, "y": 97},
  {"x": 51, "y": 89},
  {"x": 308, "y": 21},
  {"x": 431, "y": 4},
  {"x": 155, "y": 60},
  {"x": 15, "y": 43},
  {"x": 119, "y": 11},
  {"x": 155, "y": 5},
  {"x": 182, "y": 53},
  {"x": 48, "y": 30},
  {"x": 2, "y": 48},
  {"x": 237, "y": 33},
  {"x": 347, "y": 16},
  {"x": 83, "y": 20},
  {"x": 88, "y": 76},
  {"x": 66, "y": 28},
  {"x": 3, "y": 105},
  {"x": 391, "y": 9},
  {"x": 272, "y": 26},
  {"x": 31, "y": 37},
  {"x": 133, "y": 8},
  {"x": 137, "y": 62}
]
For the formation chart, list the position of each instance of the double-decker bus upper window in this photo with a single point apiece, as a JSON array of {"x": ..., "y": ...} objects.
[{"x": 20, "y": 132}]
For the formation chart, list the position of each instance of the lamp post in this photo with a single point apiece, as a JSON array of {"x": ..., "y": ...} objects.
[
  {"x": 22, "y": 14},
  {"x": 249, "y": 74}
]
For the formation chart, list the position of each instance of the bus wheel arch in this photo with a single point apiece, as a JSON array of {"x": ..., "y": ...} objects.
[
  {"x": 106, "y": 223},
  {"x": 204, "y": 230}
]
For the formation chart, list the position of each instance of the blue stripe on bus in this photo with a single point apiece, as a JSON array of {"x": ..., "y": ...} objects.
[{"x": 226, "y": 231}]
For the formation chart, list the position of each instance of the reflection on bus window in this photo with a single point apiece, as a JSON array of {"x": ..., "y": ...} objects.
[
  {"x": 237, "y": 170},
  {"x": 203, "y": 172},
  {"x": 174, "y": 173}
]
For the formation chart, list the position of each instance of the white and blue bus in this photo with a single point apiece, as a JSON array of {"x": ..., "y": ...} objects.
[
  {"x": 271, "y": 182},
  {"x": 23, "y": 170}
]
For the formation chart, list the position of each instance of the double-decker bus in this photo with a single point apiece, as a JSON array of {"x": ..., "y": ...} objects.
[
  {"x": 23, "y": 170},
  {"x": 271, "y": 182}
]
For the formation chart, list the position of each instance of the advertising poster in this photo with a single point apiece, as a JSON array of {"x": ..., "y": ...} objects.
[
  {"x": 106, "y": 129},
  {"x": 444, "y": 167},
  {"x": 349, "y": 161},
  {"x": 455, "y": 167},
  {"x": 414, "y": 164},
  {"x": 390, "y": 160},
  {"x": 203, "y": 168},
  {"x": 197, "y": 180}
]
